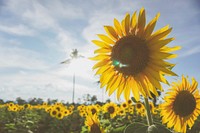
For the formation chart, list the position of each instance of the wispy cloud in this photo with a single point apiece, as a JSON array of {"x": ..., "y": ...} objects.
[
  {"x": 20, "y": 30},
  {"x": 189, "y": 52},
  {"x": 20, "y": 58}
]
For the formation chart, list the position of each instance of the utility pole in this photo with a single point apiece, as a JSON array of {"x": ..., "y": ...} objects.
[{"x": 74, "y": 55}]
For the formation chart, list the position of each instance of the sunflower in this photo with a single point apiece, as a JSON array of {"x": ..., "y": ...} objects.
[
  {"x": 27, "y": 106},
  {"x": 44, "y": 103},
  {"x": 121, "y": 112},
  {"x": 92, "y": 109},
  {"x": 54, "y": 112},
  {"x": 58, "y": 107},
  {"x": 124, "y": 105},
  {"x": 130, "y": 102},
  {"x": 48, "y": 109},
  {"x": 140, "y": 108},
  {"x": 11, "y": 104},
  {"x": 60, "y": 115},
  {"x": 66, "y": 112},
  {"x": 182, "y": 105},
  {"x": 93, "y": 124},
  {"x": 131, "y": 57},
  {"x": 111, "y": 108},
  {"x": 131, "y": 109}
]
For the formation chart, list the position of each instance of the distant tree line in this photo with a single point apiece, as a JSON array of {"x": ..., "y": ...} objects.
[{"x": 86, "y": 99}]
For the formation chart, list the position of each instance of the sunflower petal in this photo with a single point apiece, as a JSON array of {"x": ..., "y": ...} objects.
[
  {"x": 118, "y": 27},
  {"x": 106, "y": 76},
  {"x": 127, "y": 92},
  {"x": 162, "y": 69},
  {"x": 150, "y": 27},
  {"x": 101, "y": 63},
  {"x": 133, "y": 85},
  {"x": 160, "y": 34},
  {"x": 106, "y": 39},
  {"x": 141, "y": 21},
  {"x": 102, "y": 69},
  {"x": 162, "y": 55},
  {"x": 160, "y": 62},
  {"x": 157, "y": 75},
  {"x": 154, "y": 82},
  {"x": 127, "y": 23},
  {"x": 121, "y": 89},
  {"x": 194, "y": 85},
  {"x": 100, "y": 57},
  {"x": 123, "y": 28},
  {"x": 115, "y": 85},
  {"x": 134, "y": 21},
  {"x": 159, "y": 44},
  {"x": 168, "y": 49},
  {"x": 111, "y": 32},
  {"x": 101, "y": 44},
  {"x": 102, "y": 50}
]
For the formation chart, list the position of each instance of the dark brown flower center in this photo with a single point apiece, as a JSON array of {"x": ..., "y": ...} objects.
[
  {"x": 130, "y": 55},
  {"x": 129, "y": 101},
  {"x": 93, "y": 111},
  {"x": 54, "y": 112},
  {"x": 26, "y": 106},
  {"x": 124, "y": 105},
  {"x": 59, "y": 115},
  {"x": 66, "y": 112},
  {"x": 184, "y": 103},
  {"x": 139, "y": 105},
  {"x": 58, "y": 108},
  {"x": 111, "y": 109}
]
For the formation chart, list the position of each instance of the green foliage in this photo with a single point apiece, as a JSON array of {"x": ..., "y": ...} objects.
[{"x": 37, "y": 121}]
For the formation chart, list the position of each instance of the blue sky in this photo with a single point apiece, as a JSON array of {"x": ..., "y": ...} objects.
[{"x": 36, "y": 35}]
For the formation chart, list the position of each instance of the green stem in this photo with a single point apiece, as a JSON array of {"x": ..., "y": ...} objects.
[{"x": 148, "y": 112}]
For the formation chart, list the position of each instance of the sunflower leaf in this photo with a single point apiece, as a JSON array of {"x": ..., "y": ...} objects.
[
  {"x": 162, "y": 129},
  {"x": 136, "y": 128}
]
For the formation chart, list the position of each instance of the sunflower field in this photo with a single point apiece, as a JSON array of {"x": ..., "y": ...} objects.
[{"x": 127, "y": 117}]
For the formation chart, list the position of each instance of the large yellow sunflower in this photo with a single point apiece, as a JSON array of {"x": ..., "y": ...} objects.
[
  {"x": 132, "y": 57},
  {"x": 182, "y": 105}
]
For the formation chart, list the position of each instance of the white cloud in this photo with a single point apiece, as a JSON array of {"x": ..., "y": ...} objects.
[
  {"x": 38, "y": 16},
  {"x": 64, "y": 10},
  {"x": 20, "y": 58},
  {"x": 65, "y": 41},
  {"x": 20, "y": 30},
  {"x": 54, "y": 83}
]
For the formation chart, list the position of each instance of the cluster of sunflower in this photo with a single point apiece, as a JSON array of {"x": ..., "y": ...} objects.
[
  {"x": 132, "y": 58},
  {"x": 57, "y": 110},
  {"x": 98, "y": 116},
  {"x": 108, "y": 112},
  {"x": 14, "y": 107}
]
